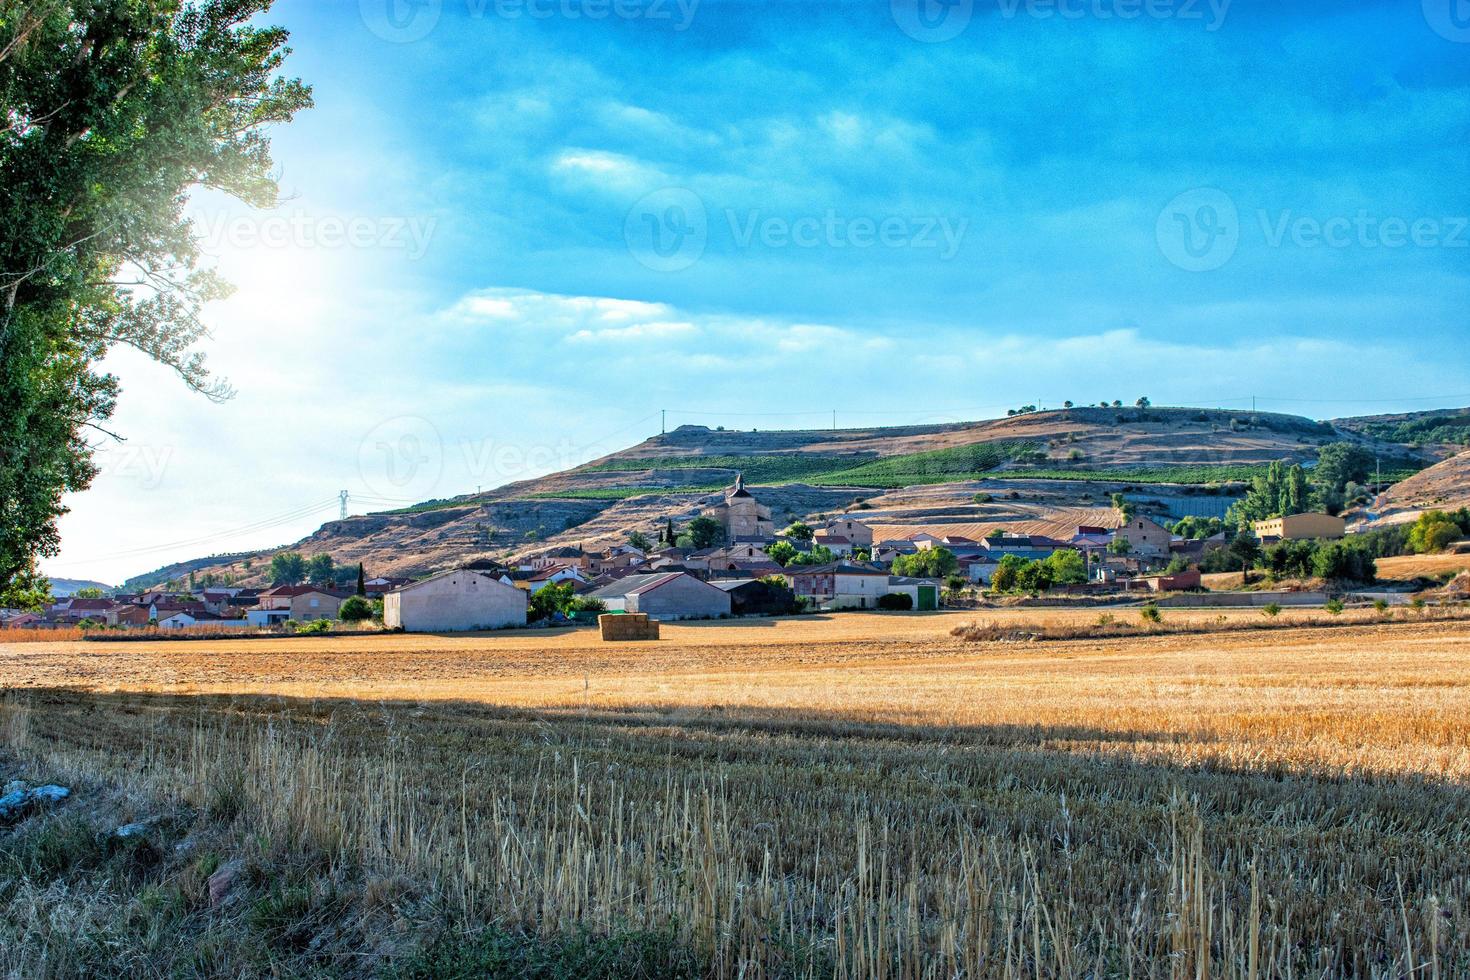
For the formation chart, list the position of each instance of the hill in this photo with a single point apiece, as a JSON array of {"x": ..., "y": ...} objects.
[
  {"x": 1444, "y": 486},
  {"x": 61, "y": 587},
  {"x": 1039, "y": 468},
  {"x": 1443, "y": 430}
]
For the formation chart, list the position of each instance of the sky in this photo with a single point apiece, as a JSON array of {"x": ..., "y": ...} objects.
[{"x": 513, "y": 232}]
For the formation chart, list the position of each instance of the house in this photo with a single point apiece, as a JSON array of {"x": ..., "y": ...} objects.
[
  {"x": 128, "y": 615},
  {"x": 455, "y": 601},
  {"x": 839, "y": 545},
  {"x": 732, "y": 555},
  {"x": 1182, "y": 582},
  {"x": 842, "y": 585},
  {"x": 573, "y": 556},
  {"x": 1301, "y": 527},
  {"x": 261, "y": 617},
  {"x": 752, "y": 597},
  {"x": 1146, "y": 538},
  {"x": 742, "y": 516},
  {"x": 665, "y": 595},
  {"x": 1028, "y": 546},
  {"x": 304, "y": 603},
  {"x": 885, "y": 551},
  {"x": 553, "y": 575},
  {"x": 14, "y": 619},
  {"x": 979, "y": 569},
  {"x": 75, "y": 610},
  {"x": 376, "y": 588},
  {"x": 860, "y": 534}
]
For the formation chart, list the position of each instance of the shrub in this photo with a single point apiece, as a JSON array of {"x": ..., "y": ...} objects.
[
  {"x": 1334, "y": 606},
  {"x": 355, "y": 609},
  {"x": 1380, "y": 606},
  {"x": 315, "y": 626},
  {"x": 1272, "y": 610},
  {"x": 1151, "y": 614},
  {"x": 896, "y": 601}
]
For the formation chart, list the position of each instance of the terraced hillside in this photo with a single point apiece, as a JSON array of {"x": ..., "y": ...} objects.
[{"x": 1038, "y": 468}]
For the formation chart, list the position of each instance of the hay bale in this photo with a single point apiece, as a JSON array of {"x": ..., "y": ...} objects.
[{"x": 627, "y": 626}]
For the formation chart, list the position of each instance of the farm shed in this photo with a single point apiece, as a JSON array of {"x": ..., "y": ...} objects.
[
  {"x": 455, "y": 601},
  {"x": 668, "y": 595},
  {"x": 753, "y": 597}
]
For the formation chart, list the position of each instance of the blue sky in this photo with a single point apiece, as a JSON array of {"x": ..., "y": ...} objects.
[{"x": 514, "y": 230}]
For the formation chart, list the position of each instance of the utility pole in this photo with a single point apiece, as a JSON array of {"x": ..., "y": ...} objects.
[
  {"x": 343, "y": 497},
  {"x": 834, "y": 420},
  {"x": 663, "y": 425}
]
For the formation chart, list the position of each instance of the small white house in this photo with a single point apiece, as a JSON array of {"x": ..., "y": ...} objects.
[
  {"x": 177, "y": 621},
  {"x": 455, "y": 601}
]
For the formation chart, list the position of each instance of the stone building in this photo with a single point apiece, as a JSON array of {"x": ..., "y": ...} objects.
[{"x": 742, "y": 516}]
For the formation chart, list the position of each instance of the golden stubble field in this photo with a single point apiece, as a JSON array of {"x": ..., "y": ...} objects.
[{"x": 855, "y": 795}]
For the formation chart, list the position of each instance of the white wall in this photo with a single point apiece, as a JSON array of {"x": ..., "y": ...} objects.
[{"x": 455, "y": 602}]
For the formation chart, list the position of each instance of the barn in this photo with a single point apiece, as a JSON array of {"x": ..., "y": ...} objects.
[
  {"x": 755, "y": 597},
  {"x": 455, "y": 601},
  {"x": 667, "y": 595}
]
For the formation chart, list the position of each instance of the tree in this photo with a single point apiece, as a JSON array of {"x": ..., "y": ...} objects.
[
  {"x": 1339, "y": 464},
  {"x": 26, "y": 591},
  {"x": 1245, "y": 550},
  {"x": 1007, "y": 575},
  {"x": 287, "y": 568},
  {"x": 1434, "y": 531},
  {"x": 782, "y": 552},
  {"x": 639, "y": 540},
  {"x": 361, "y": 580},
  {"x": 355, "y": 609},
  {"x": 321, "y": 570},
  {"x": 670, "y": 538},
  {"x": 1066, "y": 567},
  {"x": 1120, "y": 545},
  {"x": 90, "y": 592},
  {"x": 1067, "y": 403},
  {"x": 820, "y": 555},
  {"x": 705, "y": 532},
  {"x": 551, "y": 600},
  {"x": 929, "y": 563},
  {"x": 799, "y": 531},
  {"x": 114, "y": 112},
  {"x": 1143, "y": 402},
  {"x": 1126, "y": 508},
  {"x": 1117, "y": 403}
]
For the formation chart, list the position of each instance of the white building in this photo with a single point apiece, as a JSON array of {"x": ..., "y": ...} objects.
[{"x": 455, "y": 601}]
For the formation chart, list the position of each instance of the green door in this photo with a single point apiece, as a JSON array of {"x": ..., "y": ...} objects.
[{"x": 928, "y": 598}]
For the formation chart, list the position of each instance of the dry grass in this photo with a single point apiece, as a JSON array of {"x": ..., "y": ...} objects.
[
  {"x": 1409, "y": 567},
  {"x": 861, "y": 796}
]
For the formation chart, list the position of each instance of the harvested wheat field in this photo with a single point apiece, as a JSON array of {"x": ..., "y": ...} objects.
[
  {"x": 858, "y": 795},
  {"x": 1409, "y": 567}
]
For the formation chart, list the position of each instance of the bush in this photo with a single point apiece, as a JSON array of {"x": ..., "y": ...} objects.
[
  {"x": 896, "y": 602},
  {"x": 1151, "y": 614},
  {"x": 1380, "y": 606},
  {"x": 1272, "y": 610},
  {"x": 315, "y": 626},
  {"x": 355, "y": 609},
  {"x": 1334, "y": 606}
]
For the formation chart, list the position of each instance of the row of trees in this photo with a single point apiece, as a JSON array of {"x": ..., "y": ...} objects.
[
  {"x": 1337, "y": 480},
  {"x": 1142, "y": 402},
  {"x": 293, "y": 568}
]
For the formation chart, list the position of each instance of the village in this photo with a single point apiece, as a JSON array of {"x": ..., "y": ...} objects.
[{"x": 729, "y": 561}]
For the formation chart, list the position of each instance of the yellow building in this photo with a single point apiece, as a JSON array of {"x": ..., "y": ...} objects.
[{"x": 1301, "y": 527}]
